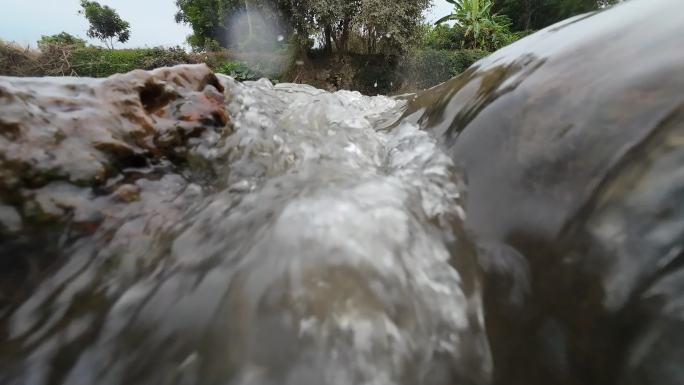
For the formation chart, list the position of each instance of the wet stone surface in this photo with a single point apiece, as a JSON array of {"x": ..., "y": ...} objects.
[
  {"x": 76, "y": 153},
  {"x": 571, "y": 143}
]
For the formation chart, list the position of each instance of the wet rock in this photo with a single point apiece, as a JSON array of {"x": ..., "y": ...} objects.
[
  {"x": 571, "y": 141},
  {"x": 86, "y": 132},
  {"x": 73, "y": 151},
  {"x": 128, "y": 193}
]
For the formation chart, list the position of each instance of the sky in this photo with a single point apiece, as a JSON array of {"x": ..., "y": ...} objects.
[{"x": 152, "y": 21}]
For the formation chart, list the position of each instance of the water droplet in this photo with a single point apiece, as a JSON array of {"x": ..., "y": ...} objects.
[
  {"x": 281, "y": 37},
  {"x": 375, "y": 85}
]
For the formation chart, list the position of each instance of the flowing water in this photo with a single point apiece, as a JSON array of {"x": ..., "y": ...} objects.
[
  {"x": 520, "y": 224},
  {"x": 327, "y": 249}
]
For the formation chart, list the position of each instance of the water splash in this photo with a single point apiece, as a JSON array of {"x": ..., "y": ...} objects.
[{"x": 324, "y": 249}]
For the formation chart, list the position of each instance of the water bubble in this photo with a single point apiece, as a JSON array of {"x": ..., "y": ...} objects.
[
  {"x": 388, "y": 35},
  {"x": 281, "y": 37}
]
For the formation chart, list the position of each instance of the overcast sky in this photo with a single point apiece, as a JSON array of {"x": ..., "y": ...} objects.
[{"x": 152, "y": 22}]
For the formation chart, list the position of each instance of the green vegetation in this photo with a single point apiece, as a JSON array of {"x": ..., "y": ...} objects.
[
  {"x": 536, "y": 14},
  {"x": 340, "y": 26},
  {"x": 60, "y": 55},
  {"x": 61, "y": 38},
  {"x": 239, "y": 71},
  {"x": 212, "y": 22},
  {"x": 363, "y": 27},
  {"x": 374, "y": 46},
  {"x": 424, "y": 68},
  {"x": 105, "y": 23},
  {"x": 372, "y": 26},
  {"x": 370, "y": 44},
  {"x": 98, "y": 62},
  {"x": 207, "y": 20},
  {"x": 478, "y": 27}
]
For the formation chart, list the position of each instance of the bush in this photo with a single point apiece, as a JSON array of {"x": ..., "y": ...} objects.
[
  {"x": 57, "y": 58},
  {"x": 441, "y": 36},
  {"x": 160, "y": 57},
  {"x": 51, "y": 60},
  {"x": 61, "y": 38},
  {"x": 98, "y": 62},
  {"x": 18, "y": 61},
  {"x": 424, "y": 68},
  {"x": 239, "y": 71},
  {"x": 494, "y": 34}
]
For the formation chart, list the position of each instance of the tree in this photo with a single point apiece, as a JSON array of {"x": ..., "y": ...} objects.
[
  {"x": 480, "y": 28},
  {"x": 211, "y": 20},
  {"x": 61, "y": 38},
  {"x": 105, "y": 24},
  {"x": 331, "y": 21},
  {"x": 537, "y": 14},
  {"x": 381, "y": 26},
  {"x": 389, "y": 27},
  {"x": 207, "y": 18},
  {"x": 441, "y": 36}
]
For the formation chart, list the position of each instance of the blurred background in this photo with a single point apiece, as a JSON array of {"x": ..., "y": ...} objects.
[{"x": 373, "y": 46}]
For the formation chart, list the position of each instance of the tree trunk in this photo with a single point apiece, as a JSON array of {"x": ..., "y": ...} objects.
[
  {"x": 344, "y": 39},
  {"x": 328, "y": 39},
  {"x": 249, "y": 22}
]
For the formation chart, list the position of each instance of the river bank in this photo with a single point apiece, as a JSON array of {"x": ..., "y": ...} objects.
[{"x": 370, "y": 74}]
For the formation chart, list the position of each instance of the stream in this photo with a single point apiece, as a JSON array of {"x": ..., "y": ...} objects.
[{"x": 519, "y": 224}]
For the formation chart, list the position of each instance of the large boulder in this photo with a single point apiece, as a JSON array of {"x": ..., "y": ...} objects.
[
  {"x": 75, "y": 153},
  {"x": 571, "y": 140}
]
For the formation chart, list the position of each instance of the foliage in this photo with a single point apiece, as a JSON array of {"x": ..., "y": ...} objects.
[
  {"x": 64, "y": 60},
  {"x": 440, "y": 36},
  {"x": 211, "y": 21},
  {"x": 207, "y": 18},
  {"x": 239, "y": 71},
  {"x": 16, "y": 60},
  {"x": 537, "y": 14},
  {"x": 163, "y": 57},
  {"x": 97, "y": 62},
  {"x": 390, "y": 27},
  {"x": 61, "y": 38},
  {"x": 211, "y": 45},
  {"x": 480, "y": 28},
  {"x": 329, "y": 21},
  {"x": 51, "y": 60},
  {"x": 424, "y": 68},
  {"x": 105, "y": 23},
  {"x": 415, "y": 69},
  {"x": 375, "y": 26},
  {"x": 378, "y": 74}
]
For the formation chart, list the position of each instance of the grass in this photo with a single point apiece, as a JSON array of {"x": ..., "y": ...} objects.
[{"x": 417, "y": 69}]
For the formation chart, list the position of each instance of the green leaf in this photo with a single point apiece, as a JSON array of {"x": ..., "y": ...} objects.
[{"x": 445, "y": 18}]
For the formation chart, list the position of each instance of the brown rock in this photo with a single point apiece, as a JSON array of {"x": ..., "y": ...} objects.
[{"x": 86, "y": 130}]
